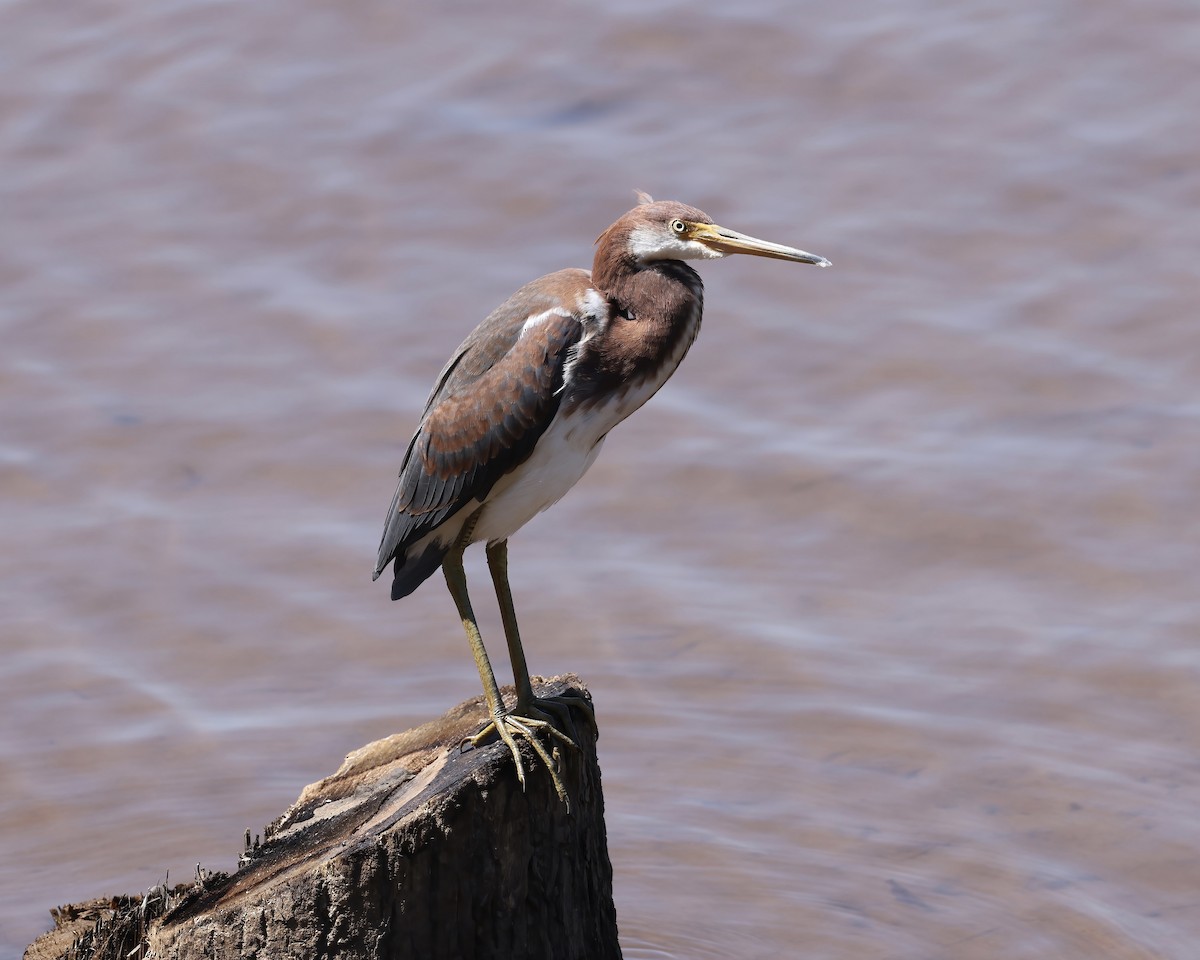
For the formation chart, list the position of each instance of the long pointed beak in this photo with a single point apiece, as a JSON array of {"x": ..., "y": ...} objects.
[{"x": 725, "y": 240}]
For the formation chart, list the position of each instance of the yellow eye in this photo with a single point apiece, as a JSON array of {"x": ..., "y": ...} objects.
[{"x": 678, "y": 226}]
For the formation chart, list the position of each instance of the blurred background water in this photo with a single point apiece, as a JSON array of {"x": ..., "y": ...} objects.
[{"x": 888, "y": 601}]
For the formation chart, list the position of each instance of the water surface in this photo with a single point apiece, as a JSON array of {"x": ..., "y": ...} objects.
[{"x": 888, "y": 601}]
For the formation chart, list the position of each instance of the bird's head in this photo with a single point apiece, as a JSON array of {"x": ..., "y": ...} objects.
[{"x": 668, "y": 230}]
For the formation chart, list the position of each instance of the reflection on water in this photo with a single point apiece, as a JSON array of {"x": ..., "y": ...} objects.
[{"x": 887, "y": 601}]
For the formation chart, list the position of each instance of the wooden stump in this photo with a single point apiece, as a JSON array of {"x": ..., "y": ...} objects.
[{"x": 412, "y": 849}]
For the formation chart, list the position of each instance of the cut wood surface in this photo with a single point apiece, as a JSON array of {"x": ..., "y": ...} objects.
[{"x": 412, "y": 848}]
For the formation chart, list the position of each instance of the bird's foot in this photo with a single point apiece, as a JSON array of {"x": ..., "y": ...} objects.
[
  {"x": 527, "y": 723},
  {"x": 549, "y": 715},
  {"x": 560, "y": 709}
]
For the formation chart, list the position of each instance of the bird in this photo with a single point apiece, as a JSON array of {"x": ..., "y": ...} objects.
[{"x": 520, "y": 411}]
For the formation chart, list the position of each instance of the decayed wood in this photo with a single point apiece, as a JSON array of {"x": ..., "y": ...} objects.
[{"x": 412, "y": 849}]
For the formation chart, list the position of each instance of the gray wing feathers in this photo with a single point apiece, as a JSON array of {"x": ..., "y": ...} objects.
[{"x": 490, "y": 405}]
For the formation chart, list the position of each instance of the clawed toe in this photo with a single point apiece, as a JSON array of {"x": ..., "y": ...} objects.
[
  {"x": 511, "y": 725},
  {"x": 548, "y": 716},
  {"x": 558, "y": 712}
]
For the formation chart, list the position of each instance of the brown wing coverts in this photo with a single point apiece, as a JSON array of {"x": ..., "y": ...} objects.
[{"x": 493, "y": 401}]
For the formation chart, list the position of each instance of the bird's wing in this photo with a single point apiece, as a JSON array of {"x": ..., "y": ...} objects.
[{"x": 492, "y": 401}]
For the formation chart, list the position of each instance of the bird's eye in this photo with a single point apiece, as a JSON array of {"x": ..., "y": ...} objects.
[{"x": 678, "y": 226}]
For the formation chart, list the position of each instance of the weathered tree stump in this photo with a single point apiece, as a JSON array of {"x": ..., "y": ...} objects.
[{"x": 412, "y": 849}]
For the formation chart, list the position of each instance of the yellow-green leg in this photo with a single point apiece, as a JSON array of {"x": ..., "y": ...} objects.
[
  {"x": 506, "y": 724},
  {"x": 527, "y": 703}
]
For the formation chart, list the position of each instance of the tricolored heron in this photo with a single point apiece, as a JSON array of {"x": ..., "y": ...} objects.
[{"x": 521, "y": 409}]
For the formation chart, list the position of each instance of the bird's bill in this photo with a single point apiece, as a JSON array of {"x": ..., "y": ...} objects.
[{"x": 724, "y": 240}]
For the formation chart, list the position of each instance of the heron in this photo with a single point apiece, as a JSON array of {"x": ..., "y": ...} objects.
[{"x": 519, "y": 412}]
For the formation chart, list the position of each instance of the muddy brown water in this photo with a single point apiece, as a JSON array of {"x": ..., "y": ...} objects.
[{"x": 888, "y": 601}]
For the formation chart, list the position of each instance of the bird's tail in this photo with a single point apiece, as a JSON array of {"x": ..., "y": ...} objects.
[{"x": 412, "y": 569}]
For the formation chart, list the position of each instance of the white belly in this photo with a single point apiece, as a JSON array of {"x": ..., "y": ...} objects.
[{"x": 561, "y": 457}]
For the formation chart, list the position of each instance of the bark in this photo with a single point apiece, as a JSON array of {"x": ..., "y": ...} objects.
[{"x": 411, "y": 849}]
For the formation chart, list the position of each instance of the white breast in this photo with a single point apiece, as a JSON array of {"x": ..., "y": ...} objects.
[
  {"x": 570, "y": 446},
  {"x": 561, "y": 457}
]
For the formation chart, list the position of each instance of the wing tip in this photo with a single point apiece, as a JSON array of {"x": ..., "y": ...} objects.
[{"x": 410, "y": 572}]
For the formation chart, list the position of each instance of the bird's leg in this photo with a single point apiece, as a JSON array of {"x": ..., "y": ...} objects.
[
  {"x": 527, "y": 703},
  {"x": 497, "y": 559},
  {"x": 506, "y": 725}
]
